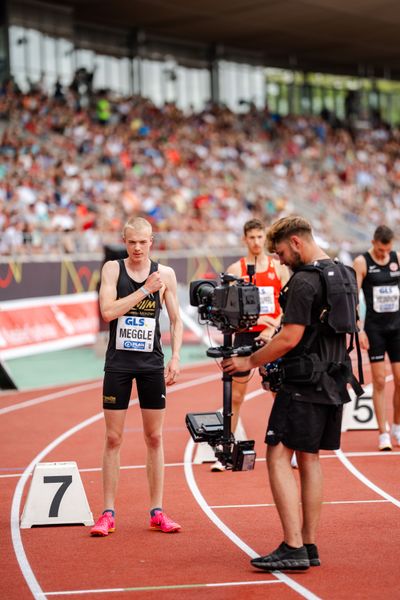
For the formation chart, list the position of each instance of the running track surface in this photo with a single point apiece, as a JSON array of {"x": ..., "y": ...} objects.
[{"x": 226, "y": 518}]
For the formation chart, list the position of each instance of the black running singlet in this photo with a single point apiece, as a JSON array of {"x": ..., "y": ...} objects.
[
  {"x": 382, "y": 294},
  {"x": 135, "y": 338}
]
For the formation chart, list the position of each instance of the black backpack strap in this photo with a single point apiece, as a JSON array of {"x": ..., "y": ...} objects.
[{"x": 350, "y": 348}]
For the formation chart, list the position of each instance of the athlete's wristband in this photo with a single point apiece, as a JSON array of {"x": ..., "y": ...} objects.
[{"x": 144, "y": 290}]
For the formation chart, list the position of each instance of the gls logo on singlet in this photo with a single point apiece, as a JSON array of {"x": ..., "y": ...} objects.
[{"x": 134, "y": 321}]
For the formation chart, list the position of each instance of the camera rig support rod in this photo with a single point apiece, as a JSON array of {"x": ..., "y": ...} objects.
[{"x": 227, "y": 403}]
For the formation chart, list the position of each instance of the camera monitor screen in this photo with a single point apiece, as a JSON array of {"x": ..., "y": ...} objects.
[
  {"x": 207, "y": 419},
  {"x": 202, "y": 425}
]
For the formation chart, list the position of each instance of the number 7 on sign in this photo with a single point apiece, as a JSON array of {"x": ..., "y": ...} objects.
[
  {"x": 65, "y": 481},
  {"x": 63, "y": 503}
]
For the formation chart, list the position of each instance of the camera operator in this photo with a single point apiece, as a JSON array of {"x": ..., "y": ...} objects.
[
  {"x": 269, "y": 276},
  {"x": 304, "y": 417}
]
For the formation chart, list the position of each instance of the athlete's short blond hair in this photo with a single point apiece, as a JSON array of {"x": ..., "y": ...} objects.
[{"x": 137, "y": 224}]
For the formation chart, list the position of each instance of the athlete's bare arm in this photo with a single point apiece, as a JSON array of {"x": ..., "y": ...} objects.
[
  {"x": 170, "y": 297},
  {"x": 360, "y": 267},
  {"x": 287, "y": 338}
]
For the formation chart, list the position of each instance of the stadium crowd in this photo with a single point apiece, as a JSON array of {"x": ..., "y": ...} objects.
[{"x": 72, "y": 172}]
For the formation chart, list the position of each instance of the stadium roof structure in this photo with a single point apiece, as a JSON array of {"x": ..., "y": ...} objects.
[{"x": 359, "y": 37}]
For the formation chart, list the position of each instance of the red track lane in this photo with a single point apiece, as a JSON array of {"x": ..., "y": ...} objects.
[{"x": 359, "y": 554}]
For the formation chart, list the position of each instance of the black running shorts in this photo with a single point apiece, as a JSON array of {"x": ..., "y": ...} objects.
[
  {"x": 117, "y": 388},
  {"x": 304, "y": 426},
  {"x": 382, "y": 341}
]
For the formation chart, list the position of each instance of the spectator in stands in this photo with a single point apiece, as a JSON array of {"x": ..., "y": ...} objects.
[{"x": 214, "y": 166}]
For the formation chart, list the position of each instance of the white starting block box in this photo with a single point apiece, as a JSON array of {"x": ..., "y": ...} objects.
[
  {"x": 56, "y": 497},
  {"x": 359, "y": 413}
]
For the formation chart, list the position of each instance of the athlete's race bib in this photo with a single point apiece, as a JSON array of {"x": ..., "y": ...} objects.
[
  {"x": 267, "y": 300},
  {"x": 135, "y": 333},
  {"x": 386, "y": 298}
]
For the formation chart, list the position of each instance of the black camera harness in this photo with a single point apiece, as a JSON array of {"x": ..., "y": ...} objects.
[{"x": 338, "y": 316}]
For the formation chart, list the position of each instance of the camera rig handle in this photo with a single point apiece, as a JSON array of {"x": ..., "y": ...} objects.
[{"x": 228, "y": 351}]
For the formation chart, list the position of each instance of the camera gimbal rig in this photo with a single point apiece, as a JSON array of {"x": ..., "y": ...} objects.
[{"x": 216, "y": 429}]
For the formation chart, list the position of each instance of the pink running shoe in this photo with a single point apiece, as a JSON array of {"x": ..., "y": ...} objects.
[
  {"x": 163, "y": 523},
  {"x": 105, "y": 524}
]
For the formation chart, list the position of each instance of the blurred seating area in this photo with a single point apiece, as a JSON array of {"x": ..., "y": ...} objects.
[{"x": 74, "y": 168}]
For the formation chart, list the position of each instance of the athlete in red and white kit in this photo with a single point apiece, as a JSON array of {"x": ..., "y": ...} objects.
[{"x": 269, "y": 276}]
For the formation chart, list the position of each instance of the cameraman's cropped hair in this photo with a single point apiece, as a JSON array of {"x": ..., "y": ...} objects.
[
  {"x": 383, "y": 234},
  {"x": 286, "y": 227},
  {"x": 253, "y": 224}
]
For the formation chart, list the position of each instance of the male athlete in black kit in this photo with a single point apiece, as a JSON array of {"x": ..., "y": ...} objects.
[
  {"x": 378, "y": 275},
  {"x": 132, "y": 293}
]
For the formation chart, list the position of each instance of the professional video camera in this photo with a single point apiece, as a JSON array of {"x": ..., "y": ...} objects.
[{"x": 232, "y": 306}]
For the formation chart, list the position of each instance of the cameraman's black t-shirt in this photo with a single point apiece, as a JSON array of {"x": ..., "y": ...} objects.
[{"x": 304, "y": 301}]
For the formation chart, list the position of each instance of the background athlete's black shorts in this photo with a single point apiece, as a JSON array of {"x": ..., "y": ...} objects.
[
  {"x": 304, "y": 426},
  {"x": 381, "y": 341},
  {"x": 245, "y": 338},
  {"x": 117, "y": 388}
]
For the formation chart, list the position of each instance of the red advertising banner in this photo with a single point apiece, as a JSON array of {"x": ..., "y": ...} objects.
[{"x": 46, "y": 324}]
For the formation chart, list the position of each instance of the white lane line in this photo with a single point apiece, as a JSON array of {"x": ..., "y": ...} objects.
[
  {"x": 84, "y": 388},
  {"x": 272, "y": 504},
  {"x": 20, "y": 554},
  {"x": 160, "y": 588},
  {"x": 361, "y": 454},
  {"x": 98, "y": 469},
  {"x": 192, "y": 484},
  {"x": 52, "y": 396},
  {"x": 345, "y": 461},
  {"x": 180, "y": 464}
]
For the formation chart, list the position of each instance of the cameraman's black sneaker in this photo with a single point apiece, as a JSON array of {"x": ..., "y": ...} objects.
[
  {"x": 284, "y": 558},
  {"x": 313, "y": 555}
]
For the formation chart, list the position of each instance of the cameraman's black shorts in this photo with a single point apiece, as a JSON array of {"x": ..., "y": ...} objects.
[
  {"x": 304, "y": 426},
  {"x": 117, "y": 388},
  {"x": 381, "y": 341},
  {"x": 246, "y": 338}
]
